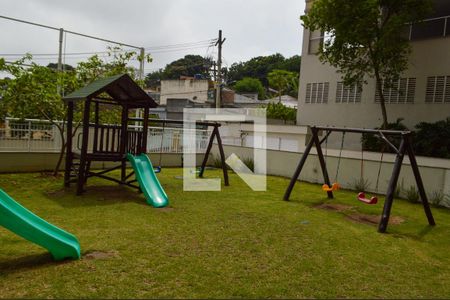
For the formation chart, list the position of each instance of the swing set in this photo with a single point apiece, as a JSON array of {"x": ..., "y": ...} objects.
[
  {"x": 404, "y": 148},
  {"x": 336, "y": 186}
]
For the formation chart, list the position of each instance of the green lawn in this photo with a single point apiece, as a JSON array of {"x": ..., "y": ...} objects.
[{"x": 235, "y": 243}]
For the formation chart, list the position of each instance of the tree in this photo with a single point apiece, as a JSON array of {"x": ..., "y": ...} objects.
[
  {"x": 281, "y": 112},
  {"x": 32, "y": 92},
  {"x": 282, "y": 81},
  {"x": 153, "y": 79},
  {"x": 190, "y": 65},
  {"x": 250, "y": 85},
  {"x": 259, "y": 67},
  {"x": 366, "y": 38},
  {"x": 64, "y": 66}
]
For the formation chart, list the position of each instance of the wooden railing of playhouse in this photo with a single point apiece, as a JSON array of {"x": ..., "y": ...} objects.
[
  {"x": 135, "y": 140},
  {"x": 106, "y": 138}
]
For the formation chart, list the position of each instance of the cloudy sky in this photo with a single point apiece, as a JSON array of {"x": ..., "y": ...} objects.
[{"x": 251, "y": 27}]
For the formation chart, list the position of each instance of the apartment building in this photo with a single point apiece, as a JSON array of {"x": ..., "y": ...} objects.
[{"x": 421, "y": 94}]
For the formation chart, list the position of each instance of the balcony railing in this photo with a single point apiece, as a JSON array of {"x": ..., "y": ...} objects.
[{"x": 430, "y": 28}]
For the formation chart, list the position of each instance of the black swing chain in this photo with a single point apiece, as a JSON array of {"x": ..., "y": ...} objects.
[
  {"x": 340, "y": 155},
  {"x": 161, "y": 145}
]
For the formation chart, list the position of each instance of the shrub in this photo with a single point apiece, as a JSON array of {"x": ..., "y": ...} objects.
[
  {"x": 249, "y": 162},
  {"x": 433, "y": 139},
  {"x": 281, "y": 112},
  {"x": 217, "y": 162},
  {"x": 399, "y": 189},
  {"x": 250, "y": 85},
  {"x": 430, "y": 139},
  {"x": 437, "y": 198},
  {"x": 361, "y": 185},
  {"x": 412, "y": 194},
  {"x": 372, "y": 143}
]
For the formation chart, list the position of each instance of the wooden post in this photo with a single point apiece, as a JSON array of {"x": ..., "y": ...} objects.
[
  {"x": 222, "y": 156},
  {"x": 84, "y": 146},
  {"x": 419, "y": 182},
  {"x": 69, "y": 157},
  {"x": 145, "y": 131},
  {"x": 124, "y": 142},
  {"x": 294, "y": 177},
  {"x": 323, "y": 165},
  {"x": 96, "y": 127},
  {"x": 208, "y": 150},
  {"x": 391, "y": 188}
]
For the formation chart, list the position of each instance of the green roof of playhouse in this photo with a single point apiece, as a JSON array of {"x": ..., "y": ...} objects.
[{"x": 121, "y": 88}]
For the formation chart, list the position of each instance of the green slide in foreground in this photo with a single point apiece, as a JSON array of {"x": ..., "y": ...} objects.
[
  {"x": 148, "y": 182},
  {"x": 24, "y": 223}
]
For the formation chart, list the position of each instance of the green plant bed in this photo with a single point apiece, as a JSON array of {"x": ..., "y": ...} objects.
[{"x": 234, "y": 243}]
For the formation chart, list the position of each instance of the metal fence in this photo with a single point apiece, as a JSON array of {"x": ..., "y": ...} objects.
[
  {"x": 29, "y": 136},
  {"x": 32, "y": 135}
]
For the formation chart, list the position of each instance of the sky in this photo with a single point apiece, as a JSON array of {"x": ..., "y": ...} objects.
[{"x": 251, "y": 28}]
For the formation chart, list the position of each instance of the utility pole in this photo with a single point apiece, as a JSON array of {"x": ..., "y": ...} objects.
[
  {"x": 138, "y": 113},
  {"x": 214, "y": 72},
  {"x": 141, "y": 64},
  {"x": 219, "y": 43},
  {"x": 60, "y": 67}
]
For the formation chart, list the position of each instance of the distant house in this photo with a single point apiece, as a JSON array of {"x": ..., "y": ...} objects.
[
  {"x": 196, "y": 90},
  {"x": 174, "y": 107}
]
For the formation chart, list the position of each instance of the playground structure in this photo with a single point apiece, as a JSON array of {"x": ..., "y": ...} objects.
[
  {"x": 117, "y": 143},
  {"x": 404, "y": 148}
]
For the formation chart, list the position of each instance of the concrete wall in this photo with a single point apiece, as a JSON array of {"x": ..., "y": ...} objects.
[
  {"x": 195, "y": 90},
  {"x": 435, "y": 172},
  {"x": 278, "y": 137},
  {"x": 13, "y": 162},
  {"x": 428, "y": 58}
]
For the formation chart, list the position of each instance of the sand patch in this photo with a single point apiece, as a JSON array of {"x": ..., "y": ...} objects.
[
  {"x": 100, "y": 254},
  {"x": 334, "y": 207},
  {"x": 374, "y": 220}
]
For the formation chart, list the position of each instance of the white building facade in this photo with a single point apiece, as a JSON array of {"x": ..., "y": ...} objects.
[
  {"x": 422, "y": 93},
  {"x": 192, "y": 89}
]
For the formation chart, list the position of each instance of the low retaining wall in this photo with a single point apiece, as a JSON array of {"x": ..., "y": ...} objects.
[
  {"x": 14, "y": 162},
  {"x": 435, "y": 172}
]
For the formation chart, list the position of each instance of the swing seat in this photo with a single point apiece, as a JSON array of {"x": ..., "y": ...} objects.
[
  {"x": 362, "y": 197},
  {"x": 157, "y": 169},
  {"x": 334, "y": 187}
]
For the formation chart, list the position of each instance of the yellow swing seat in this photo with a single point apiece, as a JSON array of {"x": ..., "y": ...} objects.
[{"x": 334, "y": 187}]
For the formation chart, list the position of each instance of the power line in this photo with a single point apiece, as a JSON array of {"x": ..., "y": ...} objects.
[
  {"x": 69, "y": 31},
  {"x": 158, "y": 49},
  {"x": 181, "y": 49},
  {"x": 209, "y": 41}
]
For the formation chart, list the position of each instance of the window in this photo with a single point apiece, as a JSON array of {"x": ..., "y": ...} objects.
[
  {"x": 429, "y": 29},
  {"x": 400, "y": 91},
  {"x": 317, "y": 92},
  {"x": 318, "y": 39},
  {"x": 315, "y": 40},
  {"x": 348, "y": 94},
  {"x": 438, "y": 89}
]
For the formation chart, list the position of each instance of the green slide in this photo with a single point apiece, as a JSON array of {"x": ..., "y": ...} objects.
[
  {"x": 148, "y": 182},
  {"x": 24, "y": 223}
]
